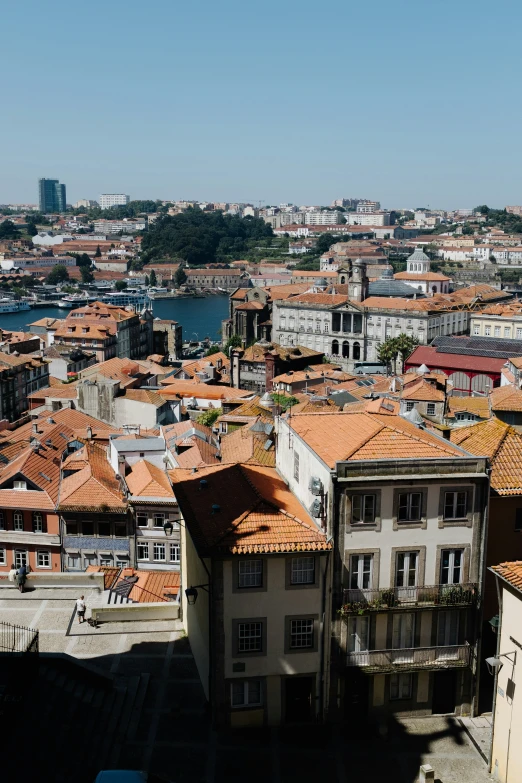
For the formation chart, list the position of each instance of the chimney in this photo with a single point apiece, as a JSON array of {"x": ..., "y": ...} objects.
[
  {"x": 89, "y": 432},
  {"x": 35, "y": 427}
]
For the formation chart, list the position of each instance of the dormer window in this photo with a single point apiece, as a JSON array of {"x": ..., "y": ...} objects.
[{"x": 20, "y": 485}]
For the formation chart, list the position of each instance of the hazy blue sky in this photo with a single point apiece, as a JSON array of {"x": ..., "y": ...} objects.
[{"x": 412, "y": 103}]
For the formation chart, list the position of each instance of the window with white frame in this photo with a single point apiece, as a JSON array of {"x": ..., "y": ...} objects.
[
  {"x": 476, "y": 329},
  {"x": 451, "y": 566},
  {"x": 507, "y": 331},
  {"x": 301, "y": 634},
  {"x": 401, "y": 686},
  {"x": 18, "y": 520},
  {"x": 20, "y": 558},
  {"x": 159, "y": 519},
  {"x": 73, "y": 561},
  {"x": 496, "y": 331},
  {"x": 250, "y": 637},
  {"x": 159, "y": 553},
  {"x": 487, "y": 331},
  {"x": 250, "y": 573},
  {"x": 455, "y": 505},
  {"x": 519, "y": 334},
  {"x": 430, "y": 409},
  {"x": 358, "y": 634},
  {"x": 19, "y": 484},
  {"x": 3, "y": 557},
  {"x": 410, "y": 505},
  {"x": 361, "y": 571},
  {"x": 37, "y": 522},
  {"x": 124, "y": 563},
  {"x": 142, "y": 519},
  {"x": 43, "y": 559},
  {"x": 143, "y": 551},
  {"x": 246, "y": 693},
  {"x": 175, "y": 553},
  {"x": 407, "y": 568},
  {"x": 409, "y": 406},
  {"x": 363, "y": 509},
  {"x": 302, "y": 571},
  {"x": 296, "y": 466}
]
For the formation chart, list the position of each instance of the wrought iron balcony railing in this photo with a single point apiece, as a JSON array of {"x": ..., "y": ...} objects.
[
  {"x": 363, "y": 601},
  {"x": 411, "y": 658},
  {"x": 17, "y": 639}
]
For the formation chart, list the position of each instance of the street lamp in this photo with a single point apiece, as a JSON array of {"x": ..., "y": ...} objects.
[
  {"x": 494, "y": 663},
  {"x": 191, "y": 593}
]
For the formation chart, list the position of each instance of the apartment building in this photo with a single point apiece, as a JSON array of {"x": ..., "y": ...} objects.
[
  {"x": 19, "y": 376},
  {"x": 216, "y": 278},
  {"x": 498, "y": 320},
  {"x": 369, "y": 219},
  {"x": 124, "y": 226},
  {"x": 108, "y": 200},
  {"x": 255, "y": 572},
  {"x": 406, "y": 511},
  {"x": 108, "y": 331},
  {"x": 323, "y": 218}
]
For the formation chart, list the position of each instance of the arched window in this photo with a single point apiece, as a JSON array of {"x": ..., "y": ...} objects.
[
  {"x": 346, "y": 349},
  {"x": 37, "y": 522},
  {"x": 335, "y": 347},
  {"x": 356, "y": 351},
  {"x": 343, "y": 279},
  {"x": 18, "y": 520}
]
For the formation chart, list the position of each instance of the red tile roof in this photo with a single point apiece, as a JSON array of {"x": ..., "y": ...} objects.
[{"x": 510, "y": 572}]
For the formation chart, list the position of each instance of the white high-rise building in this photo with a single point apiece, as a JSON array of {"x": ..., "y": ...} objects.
[{"x": 108, "y": 200}]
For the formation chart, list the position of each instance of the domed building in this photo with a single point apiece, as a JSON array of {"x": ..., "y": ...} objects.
[
  {"x": 387, "y": 285},
  {"x": 418, "y": 275}
]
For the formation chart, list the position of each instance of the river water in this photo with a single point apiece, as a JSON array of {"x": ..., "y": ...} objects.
[{"x": 199, "y": 317}]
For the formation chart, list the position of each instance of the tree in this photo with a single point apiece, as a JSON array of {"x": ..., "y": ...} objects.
[
  {"x": 402, "y": 345},
  {"x": 120, "y": 285},
  {"x": 98, "y": 252},
  {"x": 284, "y": 400},
  {"x": 232, "y": 342},
  {"x": 213, "y": 349},
  {"x": 208, "y": 418},
  {"x": 82, "y": 259},
  {"x": 57, "y": 275},
  {"x": 147, "y": 280},
  {"x": 387, "y": 353},
  {"x": 180, "y": 278},
  {"x": 406, "y": 344},
  {"x": 32, "y": 228},
  {"x": 87, "y": 275},
  {"x": 8, "y": 230},
  {"x": 153, "y": 278}
]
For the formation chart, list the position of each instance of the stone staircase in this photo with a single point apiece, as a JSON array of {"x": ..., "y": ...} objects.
[{"x": 73, "y": 722}]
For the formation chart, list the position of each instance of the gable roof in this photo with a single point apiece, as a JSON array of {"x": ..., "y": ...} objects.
[
  {"x": 479, "y": 406},
  {"x": 364, "y": 436},
  {"x": 503, "y": 445},
  {"x": 94, "y": 486},
  {"x": 506, "y": 398},
  {"x": 245, "y": 509},
  {"x": 147, "y": 480},
  {"x": 510, "y": 572}
]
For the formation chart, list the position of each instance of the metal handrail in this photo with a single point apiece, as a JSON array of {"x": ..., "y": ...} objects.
[
  {"x": 358, "y": 601},
  {"x": 18, "y": 639},
  {"x": 412, "y": 657}
]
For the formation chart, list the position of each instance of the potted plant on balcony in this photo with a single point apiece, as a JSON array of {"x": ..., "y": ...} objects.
[
  {"x": 453, "y": 594},
  {"x": 388, "y": 598},
  {"x": 353, "y": 607}
]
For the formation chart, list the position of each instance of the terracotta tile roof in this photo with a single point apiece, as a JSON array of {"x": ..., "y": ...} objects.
[
  {"x": 147, "y": 480},
  {"x": 359, "y": 436},
  {"x": 205, "y": 391},
  {"x": 247, "y": 446},
  {"x": 172, "y": 432},
  {"x": 420, "y": 276},
  {"x": 286, "y": 291},
  {"x": 66, "y": 391},
  {"x": 503, "y": 445},
  {"x": 516, "y": 361},
  {"x": 477, "y": 405},
  {"x": 423, "y": 391},
  {"x": 310, "y": 404},
  {"x": 510, "y": 572},
  {"x": 483, "y": 439},
  {"x": 92, "y": 487},
  {"x": 145, "y": 395},
  {"x": 251, "y": 306},
  {"x": 331, "y": 300},
  {"x": 506, "y": 398},
  {"x": 240, "y": 294},
  {"x": 257, "y": 352},
  {"x": 150, "y": 587},
  {"x": 297, "y": 376},
  {"x": 297, "y": 273},
  {"x": 384, "y": 405},
  {"x": 199, "y": 454},
  {"x": 109, "y": 574},
  {"x": 256, "y": 512},
  {"x": 249, "y": 410}
]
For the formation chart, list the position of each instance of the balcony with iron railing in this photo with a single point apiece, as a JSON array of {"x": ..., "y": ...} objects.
[
  {"x": 358, "y": 601},
  {"x": 409, "y": 659}
]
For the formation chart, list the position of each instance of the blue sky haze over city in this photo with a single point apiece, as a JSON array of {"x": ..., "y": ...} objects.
[{"x": 411, "y": 103}]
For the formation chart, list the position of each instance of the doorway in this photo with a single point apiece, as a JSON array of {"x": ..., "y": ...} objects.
[
  {"x": 356, "y": 695},
  {"x": 444, "y": 689},
  {"x": 299, "y": 699}
]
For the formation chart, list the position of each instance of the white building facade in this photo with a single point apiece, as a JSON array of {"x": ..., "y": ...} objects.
[{"x": 108, "y": 200}]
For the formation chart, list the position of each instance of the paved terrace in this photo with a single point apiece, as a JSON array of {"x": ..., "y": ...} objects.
[{"x": 145, "y": 709}]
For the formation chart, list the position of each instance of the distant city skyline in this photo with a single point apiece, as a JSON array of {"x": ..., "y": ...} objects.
[{"x": 407, "y": 103}]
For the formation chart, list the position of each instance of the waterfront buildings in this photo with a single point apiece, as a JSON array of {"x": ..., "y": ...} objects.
[
  {"x": 108, "y": 200},
  {"x": 52, "y": 196}
]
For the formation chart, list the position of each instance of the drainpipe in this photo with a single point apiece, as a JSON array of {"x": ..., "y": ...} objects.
[
  {"x": 323, "y": 635},
  {"x": 495, "y": 685},
  {"x": 482, "y": 583}
]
